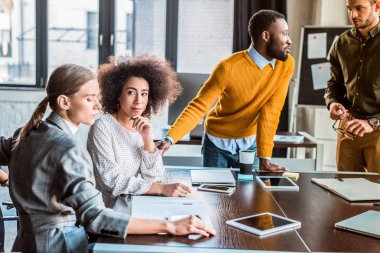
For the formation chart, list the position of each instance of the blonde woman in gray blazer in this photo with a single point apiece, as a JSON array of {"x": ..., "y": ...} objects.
[{"x": 51, "y": 179}]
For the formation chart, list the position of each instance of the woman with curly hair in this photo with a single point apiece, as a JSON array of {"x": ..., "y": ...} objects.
[{"x": 126, "y": 160}]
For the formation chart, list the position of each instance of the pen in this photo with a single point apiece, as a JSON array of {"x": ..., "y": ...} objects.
[
  {"x": 366, "y": 204},
  {"x": 339, "y": 179}
]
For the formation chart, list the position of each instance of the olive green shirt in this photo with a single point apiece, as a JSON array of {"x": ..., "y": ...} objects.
[{"x": 355, "y": 73}]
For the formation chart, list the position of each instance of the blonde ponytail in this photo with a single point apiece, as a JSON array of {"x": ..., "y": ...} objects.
[{"x": 33, "y": 122}]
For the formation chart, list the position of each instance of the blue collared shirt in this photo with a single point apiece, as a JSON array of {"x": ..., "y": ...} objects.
[{"x": 260, "y": 60}]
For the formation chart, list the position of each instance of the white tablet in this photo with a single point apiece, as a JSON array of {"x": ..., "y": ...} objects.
[
  {"x": 264, "y": 223},
  {"x": 277, "y": 183},
  {"x": 216, "y": 188}
]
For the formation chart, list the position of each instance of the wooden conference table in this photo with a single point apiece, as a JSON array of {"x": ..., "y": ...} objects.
[{"x": 316, "y": 208}]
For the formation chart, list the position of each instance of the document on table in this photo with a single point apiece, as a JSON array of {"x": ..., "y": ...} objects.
[
  {"x": 156, "y": 207},
  {"x": 211, "y": 176},
  {"x": 366, "y": 223},
  {"x": 351, "y": 189}
]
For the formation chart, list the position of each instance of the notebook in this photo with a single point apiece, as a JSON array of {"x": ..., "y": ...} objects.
[
  {"x": 157, "y": 207},
  {"x": 351, "y": 189},
  {"x": 366, "y": 223},
  {"x": 222, "y": 176}
]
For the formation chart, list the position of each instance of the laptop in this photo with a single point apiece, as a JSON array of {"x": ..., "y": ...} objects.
[
  {"x": 212, "y": 176},
  {"x": 366, "y": 223}
]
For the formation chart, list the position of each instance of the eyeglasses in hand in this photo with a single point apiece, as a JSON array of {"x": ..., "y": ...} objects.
[{"x": 342, "y": 131}]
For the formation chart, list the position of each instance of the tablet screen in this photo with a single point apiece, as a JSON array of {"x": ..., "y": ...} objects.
[
  {"x": 277, "y": 181},
  {"x": 264, "y": 222}
]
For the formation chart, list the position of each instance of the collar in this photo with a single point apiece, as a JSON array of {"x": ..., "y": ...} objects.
[
  {"x": 372, "y": 33},
  {"x": 72, "y": 127},
  {"x": 257, "y": 58},
  {"x": 68, "y": 127}
]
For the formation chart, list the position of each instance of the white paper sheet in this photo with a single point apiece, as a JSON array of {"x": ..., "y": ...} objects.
[
  {"x": 320, "y": 74},
  {"x": 156, "y": 207},
  {"x": 317, "y": 45}
]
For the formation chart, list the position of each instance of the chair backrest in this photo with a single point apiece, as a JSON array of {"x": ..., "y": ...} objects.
[
  {"x": 9, "y": 205},
  {"x": 1, "y": 232}
]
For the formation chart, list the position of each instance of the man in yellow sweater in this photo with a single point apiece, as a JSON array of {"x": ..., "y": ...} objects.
[{"x": 249, "y": 88}]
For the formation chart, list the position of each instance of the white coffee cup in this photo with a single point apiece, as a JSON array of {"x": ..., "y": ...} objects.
[{"x": 246, "y": 160}]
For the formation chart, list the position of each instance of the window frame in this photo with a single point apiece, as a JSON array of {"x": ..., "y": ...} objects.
[{"x": 106, "y": 38}]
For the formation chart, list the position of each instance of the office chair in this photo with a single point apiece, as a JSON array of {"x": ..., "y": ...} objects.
[{"x": 9, "y": 205}]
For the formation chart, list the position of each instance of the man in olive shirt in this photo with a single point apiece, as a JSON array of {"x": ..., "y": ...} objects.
[{"x": 353, "y": 92}]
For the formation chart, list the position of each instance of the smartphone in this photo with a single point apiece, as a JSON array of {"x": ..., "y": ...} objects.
[{"x": 216, "y": 188}]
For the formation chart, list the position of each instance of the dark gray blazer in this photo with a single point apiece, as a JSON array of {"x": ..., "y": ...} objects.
[{"x": 52, "y": 186}]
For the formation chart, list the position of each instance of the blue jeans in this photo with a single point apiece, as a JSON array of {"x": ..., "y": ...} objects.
[{"x": 216, "y": 157}]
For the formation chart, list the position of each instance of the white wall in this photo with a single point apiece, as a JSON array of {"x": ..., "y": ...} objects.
[
  {"x": 333, "y": 13},
  {"x": 16, "y": 107}
]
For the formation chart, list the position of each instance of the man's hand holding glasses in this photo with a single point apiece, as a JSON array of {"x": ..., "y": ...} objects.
[
  {"x": 338, "y": 111},
  {"x": 352, "y": 127}
]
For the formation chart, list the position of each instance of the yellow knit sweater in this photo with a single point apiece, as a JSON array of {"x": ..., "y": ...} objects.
[{"x": 248, "y": 101}]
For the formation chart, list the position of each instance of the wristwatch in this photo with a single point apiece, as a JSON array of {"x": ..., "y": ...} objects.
[{"x": 374, "y": 122}]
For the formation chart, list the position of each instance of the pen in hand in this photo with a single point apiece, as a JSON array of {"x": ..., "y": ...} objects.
[
  {"x": 198, "y": 228},
  {"x": 195, "y": 236}
]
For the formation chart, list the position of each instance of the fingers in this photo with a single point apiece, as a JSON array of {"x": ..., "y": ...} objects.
[
  {"x": 166, "y": 146},
  {"x": 337, "y": 111},
  {"x": 163, "y": 146},
  {"x": 267, "y": 165},
  {"x": 353, "y": 126},
  {"x": 159, "y": 144},
  {"x": 199, "y": 231},
  {"x": 192, "y": 224},
  {"x": 186, "y": 188},
  {"x": 176, "y": 190},
  {"x": 199, "y": 227},
  {"x": 358, "y": 127},
  {"x": 276, "y": 167},
  {"x": 179, "y": 193},
  {"x": 181, "y": 190},
  {"x": 139, "y": 123},
  {"x": 361, "y": 132}
]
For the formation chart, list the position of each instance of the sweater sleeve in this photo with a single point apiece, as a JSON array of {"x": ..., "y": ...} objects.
[
  {"x": 202, "y": 103},
  {"x": 269, "y": 115}
]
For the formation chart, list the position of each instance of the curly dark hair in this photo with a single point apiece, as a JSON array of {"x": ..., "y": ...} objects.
[
  {"x": 163, "y": 83},
  {"x": 261, "y": 21}
]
